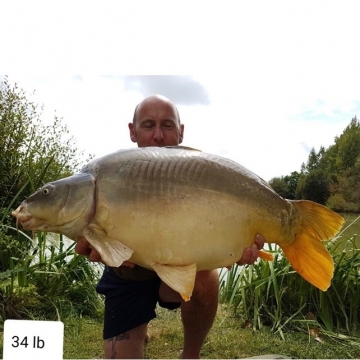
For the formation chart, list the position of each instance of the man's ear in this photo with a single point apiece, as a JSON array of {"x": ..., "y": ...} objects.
[
  {"x": 181, "y": 133},
  {"x": 132, "y": 132}
]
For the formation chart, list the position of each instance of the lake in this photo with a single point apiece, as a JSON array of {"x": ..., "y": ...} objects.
[
  {"x": 351, "y": 225},
  {"x": 351, "y": 228}
]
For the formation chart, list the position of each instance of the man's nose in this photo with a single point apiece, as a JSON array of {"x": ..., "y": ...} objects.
[{"x": 158, "y": 134}]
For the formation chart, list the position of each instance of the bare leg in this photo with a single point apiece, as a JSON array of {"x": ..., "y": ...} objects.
[
  {"x": 198, "y": 314},
  {"x": 129, "y": 345}
]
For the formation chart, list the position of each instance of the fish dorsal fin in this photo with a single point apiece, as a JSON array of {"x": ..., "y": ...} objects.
[
  {"x": 180, "y": 278},
  {"x": 180, "y": 147},
  {"x": 112, "y": 252}
]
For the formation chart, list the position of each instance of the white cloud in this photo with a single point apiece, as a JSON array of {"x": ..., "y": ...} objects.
[
  {"x": 268, "y": 140},
  {"x": 180, "y": 89},
  {"x": 281, "y": 77}
]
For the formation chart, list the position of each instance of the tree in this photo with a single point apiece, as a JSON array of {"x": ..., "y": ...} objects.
[
  {"x": 286, "y": 186},
  {"x": 31, "y": 285},
  {"x": 330, "y": 176},
  {"x": 346, "y": 195},
  {"x": 345, "y": 152},
  {"x": 314, "y": 160},
  {"x": 314, "y": 186},
  {"x": 292, "y": 181},
  {"x": 31, "y": 153},
  {"x": 348, "y": 145},
  {"x": 279, "y": 185}
]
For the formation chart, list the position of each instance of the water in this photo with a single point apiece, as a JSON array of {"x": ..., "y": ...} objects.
[{"x": 351, "y": 227}]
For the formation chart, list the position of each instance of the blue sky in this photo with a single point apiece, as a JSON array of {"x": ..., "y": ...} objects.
[{"x": 259, "y": 82}]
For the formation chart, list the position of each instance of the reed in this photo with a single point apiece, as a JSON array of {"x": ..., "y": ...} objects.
[
  {"x": 273, "y": 294},
  {"x": 41, "y": 278},
  {"x": 48, "y": 281}
]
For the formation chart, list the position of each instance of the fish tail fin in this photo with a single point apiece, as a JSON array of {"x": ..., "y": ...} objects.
[
  {"x": 318, "y": 219},
  {"x": 307, "y": 254}
]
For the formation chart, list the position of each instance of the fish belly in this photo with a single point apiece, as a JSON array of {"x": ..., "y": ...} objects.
[{"x": 211, "y": 231}]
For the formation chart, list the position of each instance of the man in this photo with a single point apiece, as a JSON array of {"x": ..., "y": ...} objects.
[{"x": 131, "y": 292}]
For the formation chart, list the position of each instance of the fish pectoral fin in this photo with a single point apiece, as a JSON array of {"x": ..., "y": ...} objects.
[
  {"x": 180, "y": 278},
  {"x": 112, "y": 251},
  {"x": 266, "y": 255}
]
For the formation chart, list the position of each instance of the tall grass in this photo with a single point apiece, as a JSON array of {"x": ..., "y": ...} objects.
[
  {"x": 39, "y": 278},
  {"x": 48, "y": 281},
  {"x": 273, "y": 294}
]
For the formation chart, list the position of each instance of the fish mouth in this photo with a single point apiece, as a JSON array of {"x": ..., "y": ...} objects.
[{"x": 24, "y": 217}]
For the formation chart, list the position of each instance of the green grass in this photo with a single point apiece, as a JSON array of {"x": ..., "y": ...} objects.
[
  {"x": 228, "y": 339},
  {"x": 272, "y": 293},
  {"x": 47, "y": 281},
  {"x": 83, "y": 339}
]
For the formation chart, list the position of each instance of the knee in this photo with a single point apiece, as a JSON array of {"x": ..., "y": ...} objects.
[
  {"x": 130, "y": 344},
  {"x": 206, "y": 288}
]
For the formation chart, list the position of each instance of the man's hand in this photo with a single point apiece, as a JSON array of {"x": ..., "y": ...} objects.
[
  {"x": 83, "y": 247},
  {"x": 251, "y": 253}
]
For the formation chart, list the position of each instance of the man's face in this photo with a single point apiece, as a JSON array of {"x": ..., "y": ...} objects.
[{"x": 156, "y": 124}]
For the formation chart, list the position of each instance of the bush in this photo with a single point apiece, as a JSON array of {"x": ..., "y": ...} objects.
[{"x": 337, "y": 203}]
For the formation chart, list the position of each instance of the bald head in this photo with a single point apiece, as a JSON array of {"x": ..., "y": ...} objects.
[
  {"x": 156, "y": 122},
  {"x": 156, "y": 100}
]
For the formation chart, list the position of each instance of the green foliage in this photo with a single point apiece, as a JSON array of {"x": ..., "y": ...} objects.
[
  {"x": 38, "y": 279},
  {"x": 344, "y": 154},
  {"x": 337, "y": 203},
  {"x": 313, "y": 160},
  {"x": 348, "y": 146},
  {"x": 330, "y": 176},
  {"x": 48, "y": 281},
  {"x": 348, "y": 187},
  {"x": 272, "y": 294},
  {"x": 292, "y": 181},
  {"x": 315, "y": 186},
  {"x": 31, "y": 153},
  {"x": 279, "y": 185},
  {"x": 286, "y": 186}
]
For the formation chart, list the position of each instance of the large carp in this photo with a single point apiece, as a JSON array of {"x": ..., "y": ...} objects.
[{"x": 177, "y": 210}]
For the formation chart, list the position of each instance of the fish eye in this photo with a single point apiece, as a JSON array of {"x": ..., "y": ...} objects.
[{"x": 46, "y": 191}]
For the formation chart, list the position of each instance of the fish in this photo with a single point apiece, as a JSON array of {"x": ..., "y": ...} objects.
[{"x": 178, "y": 210}]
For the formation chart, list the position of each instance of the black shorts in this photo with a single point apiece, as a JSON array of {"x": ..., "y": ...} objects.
[{"x": 128, "y": 303}]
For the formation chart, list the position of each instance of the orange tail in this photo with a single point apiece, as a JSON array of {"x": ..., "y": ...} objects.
[{"x": 307, "y": 254}]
